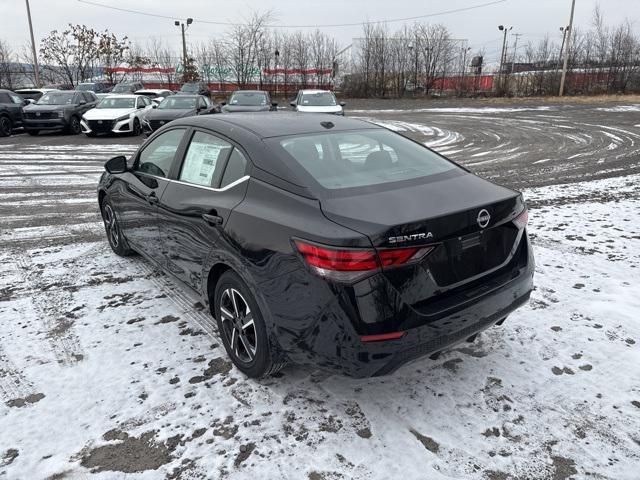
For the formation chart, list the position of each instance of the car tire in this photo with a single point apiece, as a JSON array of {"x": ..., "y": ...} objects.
[
  {"x": 74, "y": 126},
  {"x": 33, "y": 132},
  {"x": 6, "y": 126},
  {"x": 136, "y": 128},
  {"x": 243, "y": 331},
  {"x": 116, "y": 240}
]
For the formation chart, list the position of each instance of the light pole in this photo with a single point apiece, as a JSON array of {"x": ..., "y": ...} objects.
[
  {"x": 505, "y": 30},
  {"x": 184, "y": 40},
  {"x": 566, "y": 52},
  {"x": 276, "y": 55},
  {"x": 33, "y": 48},
  {"x": 565, "y": 31}
]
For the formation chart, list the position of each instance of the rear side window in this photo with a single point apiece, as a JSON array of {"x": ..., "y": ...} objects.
[
  {"x": 236, "y": 168},
  {"x": 362, "y": 158},
  {"x": 158, "y": 155},
  {"x": 205, "y": 158}
]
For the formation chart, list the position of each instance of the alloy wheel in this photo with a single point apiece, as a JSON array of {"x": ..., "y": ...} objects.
[
  {"x": 238, "y": 325},
  {"x": 5, "y": 127},
  {"x": 111, "y": 226}
]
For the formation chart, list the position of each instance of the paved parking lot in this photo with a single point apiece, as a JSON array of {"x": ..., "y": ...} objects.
[{"x": 107, "y": 368}]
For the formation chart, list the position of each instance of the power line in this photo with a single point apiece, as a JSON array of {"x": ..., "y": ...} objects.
[{"x": 444, "y": 12}]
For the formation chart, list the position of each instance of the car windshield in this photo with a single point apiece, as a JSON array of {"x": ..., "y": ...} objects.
[
  {"x": 178, "y": 103},
  {"x": 86, "y": 87},
  {"x": 190, "y": 87},
  {"x": 117, "y": 102},
  {"x": 319, "y": 99},
  {"x": 57, "y": 98},
  {"x": 253, "y": 99},
  {"x": 121, "y": 88},
  {"x": 362, "y": 158}
]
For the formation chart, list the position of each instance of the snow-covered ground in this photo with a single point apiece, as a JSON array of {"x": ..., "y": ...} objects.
[{"x": 109, "y": 370}]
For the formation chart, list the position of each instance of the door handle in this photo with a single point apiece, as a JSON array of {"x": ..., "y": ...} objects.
[
  {"x": 212, "y": 219},
  {"x": 151, "y": 198}
]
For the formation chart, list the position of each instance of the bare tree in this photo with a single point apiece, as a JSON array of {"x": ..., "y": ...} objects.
[{"x": 7, "y": 65}]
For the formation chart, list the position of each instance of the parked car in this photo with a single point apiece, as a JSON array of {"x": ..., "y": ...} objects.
[
  {"x": 178, "y": 106},
  {"x": 116, "y": 114},
  {"x": 249, "y": 101},
  {"x": 317, "y": 101},
  {"x": 330, "y": 242},
  {"x": 58, "y": 110},
  {"x": 195, "y": 88},
  {"x": 156, "y": 95},
  {"x": 127, "y": 88},
  {"x": 33, "y": 93},
  {"x": 11, "y": 105},
  {"x": 95, "y": 87}
]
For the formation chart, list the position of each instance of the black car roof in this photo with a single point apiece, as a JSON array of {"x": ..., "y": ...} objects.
[{"x": 276, "y": 124}]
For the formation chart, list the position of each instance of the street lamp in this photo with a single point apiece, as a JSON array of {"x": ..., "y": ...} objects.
[
  {"x": 276, "y": 55},
  {"x": 184, "y": 41}
]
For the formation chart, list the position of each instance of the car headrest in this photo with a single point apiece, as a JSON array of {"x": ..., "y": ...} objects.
[
  {"x": 378, "y": 160},
  {"x": 305, "y": 151}
]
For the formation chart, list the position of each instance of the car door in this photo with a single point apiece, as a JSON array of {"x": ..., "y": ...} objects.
[
  {"x": 194, "y": 208},
  {"x": 14, "y": 105},
  {"x": 142, "y": 187}
]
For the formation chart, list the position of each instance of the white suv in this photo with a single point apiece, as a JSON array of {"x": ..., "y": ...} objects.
[{"x": 317, "y": 101}]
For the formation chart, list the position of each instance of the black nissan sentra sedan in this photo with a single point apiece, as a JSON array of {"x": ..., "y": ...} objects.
[
  {"x": 329, "y": 242},
  {"x": 178, "y": 106},
  {"x": 249, "y": 101}
]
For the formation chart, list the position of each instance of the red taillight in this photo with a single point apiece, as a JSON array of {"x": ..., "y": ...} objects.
[
  {"x": 348, "y": 265},
  {"x": 382, "y": 337},
  {"x": 522, "y": 219},
  {"x": 339, "y": 260}
]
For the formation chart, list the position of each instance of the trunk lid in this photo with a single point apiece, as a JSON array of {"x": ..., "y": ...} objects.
[{"x": 468, "y": 218}]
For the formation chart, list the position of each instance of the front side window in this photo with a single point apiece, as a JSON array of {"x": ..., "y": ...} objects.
[
  {"x": 15, "y": 98},
  {"x": 363, "y": 158},
  {"x": 4, "y": 98},
  {"x": 158, "y": 155},
  {"x": 205, "y": 156}
]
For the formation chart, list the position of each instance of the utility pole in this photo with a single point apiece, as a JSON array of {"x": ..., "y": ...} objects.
[
  {"x": 515, "y": 52},
  {"x": 184, "y": 40},
  {"x": 33, "y": 47},
  {"x": 566, "y": 52},
  {"x": 564, "y": 31},
  {"x": 503, "y": 58}
]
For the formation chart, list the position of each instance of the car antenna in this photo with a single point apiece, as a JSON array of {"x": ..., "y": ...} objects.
[{"x": 327, "y": 125}]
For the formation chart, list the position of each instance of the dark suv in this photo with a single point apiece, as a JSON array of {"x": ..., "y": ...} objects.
[
  {"x": 127, "y": 88},
  {"x": 10, "y": 111},
  {"x": 95, "y": 87},
  {"x": 58, "y": 110},
  {"x": 195, "y": 88}
]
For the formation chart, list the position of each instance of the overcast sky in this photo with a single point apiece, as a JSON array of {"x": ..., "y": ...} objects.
[{"x": 532, "y": 18}]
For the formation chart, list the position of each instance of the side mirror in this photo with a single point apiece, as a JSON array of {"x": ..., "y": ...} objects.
[
  {"x": 293, "y": 104},
  {"x": 223, "y": 103},
  {"x": 154, "y": 105},
  {"x": 82, "y": 102},
  {"x": 116, "y": 164},
  {"x": 343, "y": 104},
  {"x": 274, "y": 104}
]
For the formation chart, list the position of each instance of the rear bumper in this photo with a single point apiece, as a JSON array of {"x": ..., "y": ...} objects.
[{"x": 318, "y": 329}]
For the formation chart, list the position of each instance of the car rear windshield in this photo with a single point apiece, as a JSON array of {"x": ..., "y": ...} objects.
[
  {"x": 86, "y": 87},
  {"x": 341, "y": 160},
  {"x": 254, "y": 99},
  {"x": 57, "y": 98},
  {"x": 318, "y": 99},
  {"x": 178, "y": 103},
  {"x": 117, "y": 102}
]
